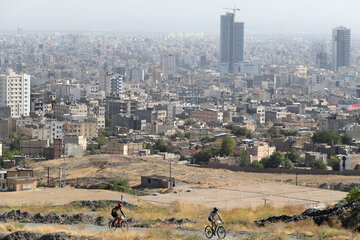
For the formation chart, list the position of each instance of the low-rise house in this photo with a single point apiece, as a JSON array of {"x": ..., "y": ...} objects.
[
  {"x": 21, "y": 179},
  {"x": 156, "y": 181},
  {"x": 260, "y": 150},
  {"x": 310, "y": 157},
  {"x": 121, "y": 149}
]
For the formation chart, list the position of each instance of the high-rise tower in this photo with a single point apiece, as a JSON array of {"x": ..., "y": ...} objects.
[
  {"x": 15, "y": 93},
  {"x": 341, "y": 48},
  {"x": 231, "y": 42}
]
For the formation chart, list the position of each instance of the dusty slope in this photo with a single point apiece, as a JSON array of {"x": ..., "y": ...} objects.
[{"x": 132, "y": 168}]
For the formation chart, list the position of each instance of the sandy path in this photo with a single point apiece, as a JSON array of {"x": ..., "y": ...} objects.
[{"x": 58, "y": 196}]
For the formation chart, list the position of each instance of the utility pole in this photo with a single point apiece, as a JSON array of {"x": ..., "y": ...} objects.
[
  {"x": 48, "y": 176},
  {"x": 170, "y": 177},
  {"x": 64, "y": 171},
  {"x": 60, "y": 177}
]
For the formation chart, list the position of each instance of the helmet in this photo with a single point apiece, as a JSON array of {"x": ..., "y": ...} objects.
[
  {"x": 120, "y": 204},
  {"x": 215, "y": 209}
]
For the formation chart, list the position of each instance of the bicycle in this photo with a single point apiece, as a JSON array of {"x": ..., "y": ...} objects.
[
  {"x": 120, "y": 222},
  {"x": 219, "y": 231}
]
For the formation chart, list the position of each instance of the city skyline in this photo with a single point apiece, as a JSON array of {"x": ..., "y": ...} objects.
[{"x": 261, "y": 17}]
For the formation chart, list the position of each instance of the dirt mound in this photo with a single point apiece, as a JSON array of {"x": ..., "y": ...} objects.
[
  {"x": 339, "y": 186},
  {"x": 176, "y": 221},
  {"x": 40, "y": 236},
  {"x": 51, "y": 218},
  {"x": 101, "y": 204},
  {"x": 348, "y": 214}
]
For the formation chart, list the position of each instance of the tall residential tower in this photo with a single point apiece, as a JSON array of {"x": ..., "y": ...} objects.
[
  {"x": 15, "y": 93},
  {"x": 341, "y": 47},
  {"x": 231, "y": 43}
]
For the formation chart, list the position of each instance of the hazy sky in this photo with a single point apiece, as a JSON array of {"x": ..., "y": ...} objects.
[{"x": 260, "y": 16}]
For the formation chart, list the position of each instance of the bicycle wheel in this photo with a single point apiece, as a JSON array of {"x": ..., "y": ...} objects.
[
  {"x": 209, "y": 232},
  {"x": 221, "y": 232},
  {"x": 124, "y": 226},
  {"x": 110, "y": 224}
]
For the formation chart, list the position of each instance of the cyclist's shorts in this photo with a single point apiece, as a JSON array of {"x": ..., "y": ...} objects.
[{"x": 210, "y": 219}]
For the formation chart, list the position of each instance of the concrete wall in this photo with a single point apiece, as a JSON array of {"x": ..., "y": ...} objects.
[{"x": 21, "y": 184}]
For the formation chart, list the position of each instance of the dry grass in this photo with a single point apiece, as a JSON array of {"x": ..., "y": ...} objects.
[
  {"x": 133, "y": 168},
  {"x": 238, "y": 219},
  {"x": 12, "y": 227},
  {"x": 46, "y": 208}
]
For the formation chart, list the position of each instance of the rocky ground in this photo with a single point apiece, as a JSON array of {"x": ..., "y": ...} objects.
[
  {"x": 345, "y": 214},
  {"x": 339, "y": 186},
  {"x": 40, "y": 236}
]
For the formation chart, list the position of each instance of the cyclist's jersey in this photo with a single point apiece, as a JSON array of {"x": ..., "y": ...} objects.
[
  {"x": 213, "y": 214},
  {"x": 114, "y": 211}
]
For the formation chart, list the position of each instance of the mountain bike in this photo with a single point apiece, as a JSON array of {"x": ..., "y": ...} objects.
[
  {"x": 120, "y": 222},
  {"x": 219, "y": 231}
]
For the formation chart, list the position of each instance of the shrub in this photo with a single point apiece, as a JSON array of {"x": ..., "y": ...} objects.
[
  {"x": 353, "y": 194},
  {"x": 334, "y": 162},
  {"x": 318, "y": 164},
  {"x": 118, "y": 185},
  {"x": 257, "y": 164}
]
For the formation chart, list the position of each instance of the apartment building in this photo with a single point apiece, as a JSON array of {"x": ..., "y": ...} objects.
[
  {"x": 88, "y": 130},
  {"x": 15, "y": 93},
  {"x": 207, "y": 115}
]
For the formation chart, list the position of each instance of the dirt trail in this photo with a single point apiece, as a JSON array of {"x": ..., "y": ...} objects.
[{"x": 183, "y": 232}]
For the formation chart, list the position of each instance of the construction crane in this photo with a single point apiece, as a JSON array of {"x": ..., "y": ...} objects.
[{"x": 234, "y": 9}]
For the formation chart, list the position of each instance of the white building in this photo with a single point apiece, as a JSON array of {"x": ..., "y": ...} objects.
[
  {"x": 15, "y": 93},
  {"x": 318, "y": 82},
  {"x": 168, "y": 64},
  {"x": 117, "y": 84},
  {"x": 249, "y": 66},
  {"x": 56, "y": 130},
  {"x": 137, "y": 75}
]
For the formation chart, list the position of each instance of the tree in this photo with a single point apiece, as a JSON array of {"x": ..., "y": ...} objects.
[
  {"x": 15, "y": 144},
  {"x": 288, "y": 164},
  {"x": 326, "y": 136},
  {"x": 228, "y": 146},
  {"x": 187, "y": 135},
  {"x": 274, "y": 161},
  {"x": 334, "y": 162},
  {"x": 346, "y": 139},
  {"x": 160, "y": 145},
  {"x": 293, "y": 155},
  {"x": 241, "y": 132},
  {"x": 318, "y": 164},
  {"x": 203, "y": 155},
  {"x": 190, "y": 122},
  {"x": 176, "y": 135},
  {"x": 244, "y": 160},
  {"x": 257, "y": 164},
  {"x": 205, "y": 139},
  {"x": 102, "y": 140}
]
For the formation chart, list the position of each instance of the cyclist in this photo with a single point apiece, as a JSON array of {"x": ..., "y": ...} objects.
[
  {"x": 115, "y": 214},
  {"x": 212, "y": 215}
]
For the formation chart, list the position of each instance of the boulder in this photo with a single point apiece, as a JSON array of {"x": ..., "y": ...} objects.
[{"x": 23, "y": 235}]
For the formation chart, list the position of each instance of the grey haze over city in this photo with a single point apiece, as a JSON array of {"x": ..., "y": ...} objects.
[{"x": 261, "y": 16}]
